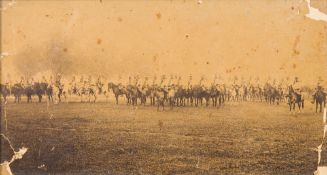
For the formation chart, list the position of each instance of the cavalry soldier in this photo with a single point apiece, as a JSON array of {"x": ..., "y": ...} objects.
[
  {"x": 297, "y": 86},
  {"x": 99, "y": 84},
  {"x": 145, "y": 83},
  {"x": 8, "y": 82},
  {"x": 154, "y": 81},
  {"x": 189, "y": 83},
  {"x": 318, "y": 89},
  {"x": 214, "y": 80},
  {"x": 21, "y": 83},
  {"x": 120, "y": 84},
  {"x": 136, "y": 80},
  {"x": 51, "y": 81},
  {"x": 44, "y": 80},
  {"x": 73, "y": 85},
  {"x": 129, "y": 81},
  {"x": 73, "y": 82},
  {"x": 178, "y": 83},
  {"x": 202, "y": 82},
  {"x": 28, "y": 82},
  {"x": 81, "y": 81},
  {"x": 170, "y": 80},
  {"x": 58, "y": 82},
  {"x": 90, "y": 82},
  {"x": 163, "y": 78}
]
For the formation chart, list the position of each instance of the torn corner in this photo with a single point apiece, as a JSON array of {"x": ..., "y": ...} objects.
[
  {"x": 5, "y": 168},
  {"x": 315, "y": 13},
  {"x": 321, "y": 170}
]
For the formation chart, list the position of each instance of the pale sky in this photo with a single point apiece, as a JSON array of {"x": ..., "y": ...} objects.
[{"x": 128, "y": 37}]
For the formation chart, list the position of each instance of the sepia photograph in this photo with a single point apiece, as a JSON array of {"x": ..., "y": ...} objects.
[{"x": 163, "y": 87}]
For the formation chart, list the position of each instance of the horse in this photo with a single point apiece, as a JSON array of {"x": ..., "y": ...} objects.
[
  {"x": 319, "y": 98},
  {"x": 4, "y": 91},
  {"x": 171, "y": 97},
  {"x": 117, "y": 91},
  {"x": 17, "y": 90},
  {"x": 152, "y": 95},
  {"x": 189, "y": 96},
  {"x": 40, "y": 89},
  {"x": 89, "y": 91},
  {"x": 60, "y": 90},
  {"x": 197, "y": 94},
  {"x": 49, "y": 92},
  {"x": 29, "y": 91},
  {"x": 143, "y": 93},
  {"x": 180, "y": 96},
  {"x": 295, "y": 98},
  {"x": 160, "y": 95},
  {"x": 214, "y": 95},
  {"x": 234, "y": 93},
  {"x": 273, "y": 95},
  {"x": 100, "y": 91},
  {"x": 133, "y": 94}
]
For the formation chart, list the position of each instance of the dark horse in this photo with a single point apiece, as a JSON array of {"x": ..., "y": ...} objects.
[
  {"x": 116, "y": 90},
  {"x": 4, "y": 91},
  {"x": 319, "y": 98},
  {"x": 132, "y": 93},
  {"x": 198, "y": 94},
  {"x": 273, "y": 95},
  {"x": 17, "y": 90},
  {"x": 295, "y": 98},
  {"x": 29, "y": 91},
  {"x": 40, "y": 89}
]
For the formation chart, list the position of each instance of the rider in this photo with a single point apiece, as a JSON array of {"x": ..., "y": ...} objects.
[
  {"x": 99, "y": 84},
  {"x": 22, "y": 80},
  {"x": 58, "y": 81},
  {"x": 202, "y": 82},
  {"x": 318, "y": 89},
  {"x": 297, "y": 87},
  {"x": 44, "y": 80},
  {"x": 189, "y": 83},
  {"x": 120, "y": 85}
]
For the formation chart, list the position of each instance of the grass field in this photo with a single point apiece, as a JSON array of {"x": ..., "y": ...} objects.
[{"x": 104, "y": 138}]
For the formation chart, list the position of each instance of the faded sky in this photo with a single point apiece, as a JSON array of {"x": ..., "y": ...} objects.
[{"x": 112, "y": 38}]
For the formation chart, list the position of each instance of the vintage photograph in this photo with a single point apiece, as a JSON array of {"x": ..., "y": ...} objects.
[{"x": 163, "y": 87}]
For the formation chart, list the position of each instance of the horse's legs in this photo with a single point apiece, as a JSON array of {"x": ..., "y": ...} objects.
[
  {"x": 290, "y": 104},
  {"x": 316, "y": 106},
  {"x": 40, "y": 98},
  {"x": 293, "y": 105},
  {"x": 299, "y": 105},
  {"x": 116, "y": 96}
]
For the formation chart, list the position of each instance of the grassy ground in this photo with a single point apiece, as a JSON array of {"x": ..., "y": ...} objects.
[{"x": 103, "y": 138}]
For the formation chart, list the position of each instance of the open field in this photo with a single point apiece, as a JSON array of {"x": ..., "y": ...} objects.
[{"x": 104, "y": 138}]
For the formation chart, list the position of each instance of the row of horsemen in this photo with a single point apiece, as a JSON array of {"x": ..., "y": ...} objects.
[{"x": 171, "y": 92}]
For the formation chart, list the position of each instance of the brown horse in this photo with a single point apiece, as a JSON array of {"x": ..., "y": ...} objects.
[
  {"x": 17, "y": 90},
  {"x": 4, "y": 91},
  {"x": 117, "y": 91},
  {"x": 160, "y": 95},
  {"x": 295, "y": 98},
  {"x": 319, "y": 98}
]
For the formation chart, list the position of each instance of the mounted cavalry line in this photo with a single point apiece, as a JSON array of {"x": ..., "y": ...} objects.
[{"x": 162, "y": 92}]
